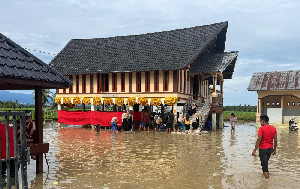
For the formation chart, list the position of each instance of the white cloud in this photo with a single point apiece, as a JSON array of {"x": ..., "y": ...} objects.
[{"x": 265, "y": 32}]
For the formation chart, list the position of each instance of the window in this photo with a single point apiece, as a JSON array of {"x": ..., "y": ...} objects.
[
  {"x": 293, "y": 104},
  {"x": 268, "y": 104},
  {"x": 166, "y": 80},
  {"x": 104, "y": 82},
  {"x": 138, "y": 81},
  {"x": 98, "y": 83},
  {"x": 114, "y": 82},
  {"x": 277, "y": 103},
  {"x": 156, "y": 80},
  {"x": 123, "y": 82},
  {"x": 83, "y": 83},
  {"x": 298, "y": 103},
  {"x": 71, "y": 86},
  {"x": 288, "y": 104},
  {"x": 77, "y": 83},
  {"x": 273, "y": 103},
  {"x": 147, "y": 81}
]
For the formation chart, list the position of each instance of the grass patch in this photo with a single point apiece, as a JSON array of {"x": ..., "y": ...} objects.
[{"x": 244, "y": 116}]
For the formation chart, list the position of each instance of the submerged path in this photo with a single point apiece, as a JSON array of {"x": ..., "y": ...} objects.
[{"x": 81, "y": 158}]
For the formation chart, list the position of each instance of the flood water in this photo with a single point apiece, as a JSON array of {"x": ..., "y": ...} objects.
[{"x": 82, "y": 158}]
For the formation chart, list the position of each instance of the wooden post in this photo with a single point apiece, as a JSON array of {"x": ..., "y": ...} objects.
[
  {"x": 83, "y": 107},
  {"x": 259, "y": 108},
  {"x": 102, "y": 107},
  {"x": 39, "y": 126},
  {"x": 162, "y": 113}
]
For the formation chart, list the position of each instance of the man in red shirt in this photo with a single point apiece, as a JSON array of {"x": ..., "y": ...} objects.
[{"x": 266, "y": 134}]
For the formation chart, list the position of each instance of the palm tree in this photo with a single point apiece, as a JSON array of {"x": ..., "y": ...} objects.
[{"x": 46, "y": 95}]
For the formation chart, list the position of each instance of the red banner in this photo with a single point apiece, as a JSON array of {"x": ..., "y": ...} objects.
[
  {"x": 90, "y": 117},
  {"x": 3, "y": 141}
]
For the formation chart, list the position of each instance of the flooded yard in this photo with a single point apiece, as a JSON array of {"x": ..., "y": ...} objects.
[{"x": 82, "y": 158}]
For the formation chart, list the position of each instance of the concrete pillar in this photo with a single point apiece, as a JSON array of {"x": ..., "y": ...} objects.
[
  {"x": 214, "y": 121},
  {"x": 221, "y": 120}
]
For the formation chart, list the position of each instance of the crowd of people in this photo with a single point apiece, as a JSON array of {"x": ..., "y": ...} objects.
[{"x": 155, "y": 121}]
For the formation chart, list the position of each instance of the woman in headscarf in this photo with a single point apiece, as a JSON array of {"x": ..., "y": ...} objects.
[
  {"x": 195, "y": 123},
  {"x": 124, "y": 121},
  {"x": 179, "y": 122},
  {"x": 187, "y": 120}
]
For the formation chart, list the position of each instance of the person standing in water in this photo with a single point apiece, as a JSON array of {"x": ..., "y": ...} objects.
[
  {"x": 233, "y": 121},
  {"x": 266, "y": 134}
]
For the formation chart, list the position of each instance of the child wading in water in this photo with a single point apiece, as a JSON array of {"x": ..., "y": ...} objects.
[{"x": 233, "y": 121}]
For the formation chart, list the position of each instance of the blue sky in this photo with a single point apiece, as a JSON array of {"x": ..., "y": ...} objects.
[{"x": 266, "y": 33}]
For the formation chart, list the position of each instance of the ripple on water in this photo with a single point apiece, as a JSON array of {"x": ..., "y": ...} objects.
[{"x": 81, "y": 158}]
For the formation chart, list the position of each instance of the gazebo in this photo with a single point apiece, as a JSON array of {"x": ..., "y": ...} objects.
[{"x": 20, "y": 70}]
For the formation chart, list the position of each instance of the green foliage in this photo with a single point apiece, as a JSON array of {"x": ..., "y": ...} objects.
[
  {"x": 46, "y": 95},
  {"x": 244, "y": 116},
  {"x": 241, "y": 108}
]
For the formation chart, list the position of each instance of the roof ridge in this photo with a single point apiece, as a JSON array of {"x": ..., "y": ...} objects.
[
  {"x": 276, "y": 71},
  {"x": 121, "y": 36}
]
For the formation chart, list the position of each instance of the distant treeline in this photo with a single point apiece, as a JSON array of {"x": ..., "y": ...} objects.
[
  {"x": 13, "y": 104},
  {"x": 240, "y": 108}
]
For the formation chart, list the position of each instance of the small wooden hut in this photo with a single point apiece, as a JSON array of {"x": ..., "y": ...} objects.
[
  {"x": 20, "y": 70},
  {"x": 278, "y": 95}
]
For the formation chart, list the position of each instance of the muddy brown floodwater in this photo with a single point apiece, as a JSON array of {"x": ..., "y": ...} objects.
[{"x": 81, "y": 158}]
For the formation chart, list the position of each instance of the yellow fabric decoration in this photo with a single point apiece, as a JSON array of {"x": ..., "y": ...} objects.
[
  {"x": 170, "y": 101},
  {"x": 119, "y": 101},
  {"x": 143, "y": 101},
  {"x": 131, "y": 101},
  {"x": 155, "y": 101},
  {"x": 76, "y": 101},
  {"x": 57, "y": 100},
  {"x": 108, "y": 101},
  {"x": 67, "y": 100},
  {"x": 86, "y": 101},
  {"x": 97, "y": 101}
]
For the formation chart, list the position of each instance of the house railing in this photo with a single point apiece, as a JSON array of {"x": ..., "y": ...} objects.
[{"x": 19, "y": 147}]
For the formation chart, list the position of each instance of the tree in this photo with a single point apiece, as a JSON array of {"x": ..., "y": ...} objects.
[{"x": 46, "y": 95}]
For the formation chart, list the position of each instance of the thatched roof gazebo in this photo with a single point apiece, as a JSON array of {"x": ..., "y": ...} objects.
[{"x": 20, "y": 70}]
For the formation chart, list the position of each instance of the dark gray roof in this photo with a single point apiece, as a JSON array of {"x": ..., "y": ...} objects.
[
  {"x": 213, "y": 63},
  {"x": 17, "y": 63},
  {"x": 167, "y": 50},
  {"x": 281, "y": 80}
]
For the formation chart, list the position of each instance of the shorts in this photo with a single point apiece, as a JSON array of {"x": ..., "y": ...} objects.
[
  {"x": 142, "y": 124},
  {"x": 146, "y": 125},
  {"x": 169, "y": 125}
]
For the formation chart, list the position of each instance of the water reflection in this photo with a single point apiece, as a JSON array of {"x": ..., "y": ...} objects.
[{"x": 81, "y": 158}]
